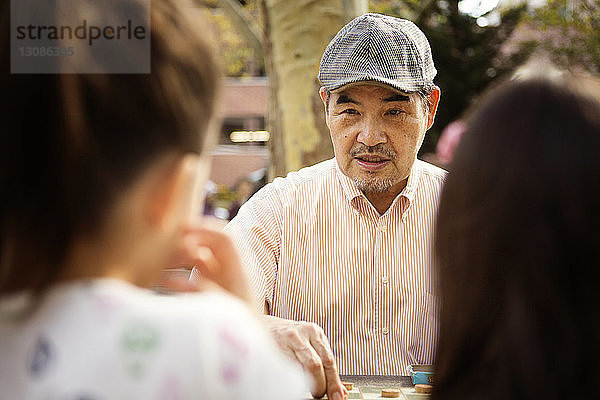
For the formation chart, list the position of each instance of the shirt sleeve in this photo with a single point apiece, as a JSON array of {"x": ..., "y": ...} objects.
[{"x": 256, "y": 232}]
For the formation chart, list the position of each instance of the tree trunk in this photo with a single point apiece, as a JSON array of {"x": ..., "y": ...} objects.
[{"x": 295, "y": 36}]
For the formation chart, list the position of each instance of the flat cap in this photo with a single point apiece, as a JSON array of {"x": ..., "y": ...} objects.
[{"x": 376, "y": 47}]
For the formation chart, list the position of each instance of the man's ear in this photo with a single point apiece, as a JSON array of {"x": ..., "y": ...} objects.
[
  {"x": 434, "y": 100},
  {"x": 324, "y": 97},
  {"x": 170, "y": 192}
]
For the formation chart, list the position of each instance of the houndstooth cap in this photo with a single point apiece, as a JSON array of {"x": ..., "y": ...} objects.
[{"x": 376, "y": 47}]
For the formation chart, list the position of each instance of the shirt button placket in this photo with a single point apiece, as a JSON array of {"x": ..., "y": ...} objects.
[
  {"x": 377, "y": 250},
  {"x": 384, "y": 323}
]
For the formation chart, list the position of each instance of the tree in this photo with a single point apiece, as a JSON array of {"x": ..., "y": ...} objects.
[
  {"x": 295, "y": 36},
  {"x": 567, "y": 32},
  {"x": 242, "y": 25},
  {"x": 235, "y": 27},
  {"x": 292, "y": 36}
]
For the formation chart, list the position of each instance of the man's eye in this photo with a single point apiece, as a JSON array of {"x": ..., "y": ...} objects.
[
  {"x": 395, "y": 112},
  {"x": 350, "y": 111}
]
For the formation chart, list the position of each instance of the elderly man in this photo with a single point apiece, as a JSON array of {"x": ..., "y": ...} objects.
[{"x": 339, "y": 253}]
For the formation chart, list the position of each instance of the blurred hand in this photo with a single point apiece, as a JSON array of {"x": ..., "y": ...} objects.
[
  {"x": 306, "y": 342},
  {"x": 214, "y": 256}
]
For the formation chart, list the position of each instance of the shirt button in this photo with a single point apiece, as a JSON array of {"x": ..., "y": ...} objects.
[
  {"x": 383, "y": 228},
  {"x": 385, "y": 279},
  {"x": 385, "y": 331}
]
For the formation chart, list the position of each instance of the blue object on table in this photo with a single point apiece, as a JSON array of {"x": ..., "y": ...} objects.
[{"x": 421, "y": 374}]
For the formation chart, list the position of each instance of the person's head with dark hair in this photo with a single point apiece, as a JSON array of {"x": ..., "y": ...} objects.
[
  {"x": 517, "y": 242},
  {"x": 100, "y": 175},
  {"x": 93, "y": 160}
]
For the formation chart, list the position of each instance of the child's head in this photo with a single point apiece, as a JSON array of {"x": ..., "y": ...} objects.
[
  {"x": 517, "y": 240},
  {"x": 88, "y": 160}
]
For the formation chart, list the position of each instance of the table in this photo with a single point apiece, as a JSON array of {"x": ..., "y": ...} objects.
[{"x": 369, "y": 387}]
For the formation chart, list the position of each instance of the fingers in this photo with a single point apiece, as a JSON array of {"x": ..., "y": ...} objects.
[
  {"x": 214, "y": 255},
  {"x": 310, "y": 361},
  {"x": 216, "y": 258},
  {"x": 307, "y": 343},
  {"x": 198, "y": 239},
  {"x": 206, "y": 262},
  {"x": 335, "y": 389}
]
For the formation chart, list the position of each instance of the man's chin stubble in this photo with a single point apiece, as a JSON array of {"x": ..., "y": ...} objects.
[{"x": 373, "y": 185}]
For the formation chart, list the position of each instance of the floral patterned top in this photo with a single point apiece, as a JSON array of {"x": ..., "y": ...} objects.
[{"x": 107, "y": 339}]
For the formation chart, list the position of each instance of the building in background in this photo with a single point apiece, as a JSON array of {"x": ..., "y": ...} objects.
[
  {"x": 242, "y": 154},
  {"x": 242, "y": 147}
]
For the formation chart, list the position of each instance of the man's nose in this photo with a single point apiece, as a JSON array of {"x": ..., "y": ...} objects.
[{"x": 371, "y": 133}]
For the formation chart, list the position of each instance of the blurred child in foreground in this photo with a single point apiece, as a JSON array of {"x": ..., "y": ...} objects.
[
  {"x": 517, "y": 241},
  {"x": 98, "y": 175}
]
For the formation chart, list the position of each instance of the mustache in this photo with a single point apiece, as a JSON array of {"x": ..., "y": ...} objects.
[{"x": 378, "y": 150}]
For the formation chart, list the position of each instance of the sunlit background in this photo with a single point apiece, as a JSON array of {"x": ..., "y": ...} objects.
[{"x": 474, "y": 43}]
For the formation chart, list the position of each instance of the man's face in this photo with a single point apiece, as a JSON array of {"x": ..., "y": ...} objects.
[{"x": 376, "y": 133}]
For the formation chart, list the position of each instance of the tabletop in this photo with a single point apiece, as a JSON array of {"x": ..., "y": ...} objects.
[{"x": 369, "y": 387}]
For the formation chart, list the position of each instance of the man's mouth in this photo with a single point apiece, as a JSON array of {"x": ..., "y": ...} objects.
[{"x": 371, "y": 162}]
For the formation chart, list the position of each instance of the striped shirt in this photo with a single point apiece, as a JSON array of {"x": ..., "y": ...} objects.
[{"x": 318, "y": 251}]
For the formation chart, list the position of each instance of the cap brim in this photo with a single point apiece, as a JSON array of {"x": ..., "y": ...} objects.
[{"x": 369, "y": 83}]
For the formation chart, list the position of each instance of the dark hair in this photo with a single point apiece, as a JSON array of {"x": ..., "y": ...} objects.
[
  {"x": 518, "y": 247},
  {"x": 72, "y": 143}
]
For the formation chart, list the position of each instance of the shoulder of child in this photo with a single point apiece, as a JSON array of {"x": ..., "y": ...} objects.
[{"x": 239, "y": 356}]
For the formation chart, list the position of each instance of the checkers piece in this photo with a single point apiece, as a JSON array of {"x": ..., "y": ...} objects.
[
  {"x": 348, "y": 385},
  {"x": 421, "y": 388},
  {"x": 390, "y": 393}
]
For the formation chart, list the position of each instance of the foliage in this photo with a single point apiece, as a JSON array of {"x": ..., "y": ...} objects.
[
  {"x": 468, "y": 57},
  {"x": 568, "y": 33},
  {"x": 402, "y": 9},
  {"x": 237, "y": 57}
]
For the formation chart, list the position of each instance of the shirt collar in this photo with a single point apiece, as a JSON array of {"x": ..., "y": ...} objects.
[
  {"x": 410, "y": 190},
  {"x": 348, "y": 186},
  {"x": 351, "y": 191}
]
